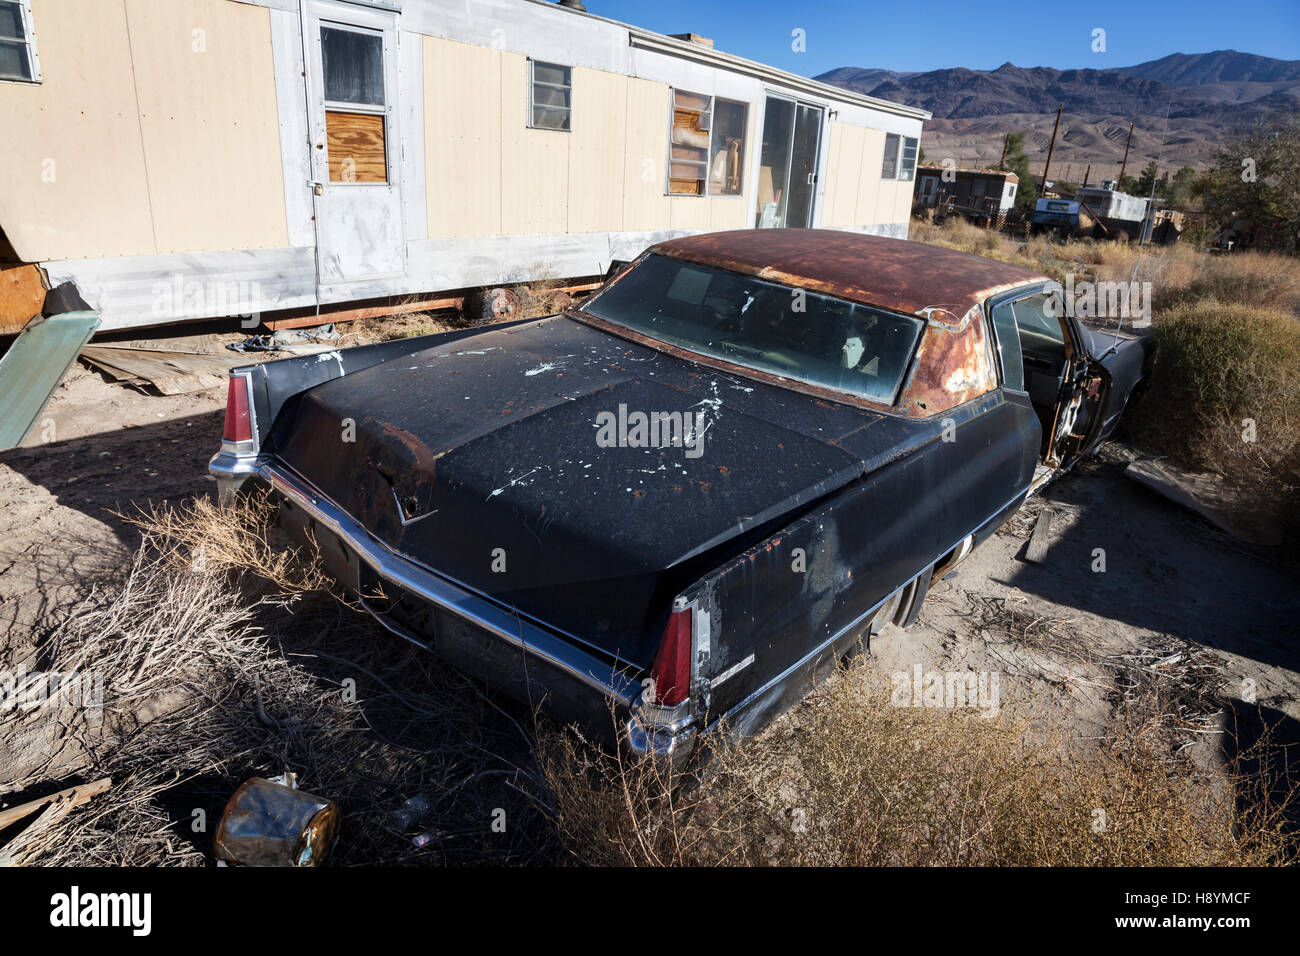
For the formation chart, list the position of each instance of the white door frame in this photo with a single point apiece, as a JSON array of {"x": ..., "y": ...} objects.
[{"x": 360, "y": 232}]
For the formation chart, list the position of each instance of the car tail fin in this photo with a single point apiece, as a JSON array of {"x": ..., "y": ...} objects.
[
  {"x": 671, "y": 669},
  {"x": 239, "y": 430}
]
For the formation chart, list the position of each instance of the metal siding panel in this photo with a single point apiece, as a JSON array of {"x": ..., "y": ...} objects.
[
  {"x": 462, "y": 139},
  {"x": 134, "y": 291},
  {"x": 688, "y": 212},
  {"x": 870, "y": 184},
  {"x": 534, "y": 162},
  {"x": 727, "y": 212},
  {"x": 644, "y": 204},
  {"x": 597, "y": 151},
  {"x": 72, "y": 143},
  {"x": 209, "y": 124},
  {"x": 33, "y": 368}
]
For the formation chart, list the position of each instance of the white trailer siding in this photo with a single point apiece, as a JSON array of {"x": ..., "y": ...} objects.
[{"x": 185, "y": 177}]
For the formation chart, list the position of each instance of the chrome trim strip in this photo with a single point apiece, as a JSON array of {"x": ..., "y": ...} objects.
[
  {"x": 497, "y": 620},
  {"x": 732, "y": 671}
]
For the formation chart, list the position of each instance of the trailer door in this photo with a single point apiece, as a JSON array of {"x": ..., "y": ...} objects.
[{"x": 350, "y": 54}]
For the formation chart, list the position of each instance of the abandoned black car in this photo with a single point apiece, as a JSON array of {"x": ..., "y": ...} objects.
[{"x": 695, "y": 492}]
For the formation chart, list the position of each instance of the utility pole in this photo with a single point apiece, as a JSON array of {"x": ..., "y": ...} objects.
[
  {"x": 1004, "y": 150},
  {"x": 1051, "y": 146},
  {"x": 1086, "y": 173},
  {"x": 1124, "y": 165}
]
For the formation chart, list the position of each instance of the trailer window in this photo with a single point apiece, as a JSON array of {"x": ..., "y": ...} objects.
[
  {"x": 889, "y": 169},
  {"x": 706, "y": 143},
  {"x": 908, "y": 166},
  {"x": 352, "y": 62},
  {"x": 18, "y": 60},
  {"x": 551, "y": 96}
]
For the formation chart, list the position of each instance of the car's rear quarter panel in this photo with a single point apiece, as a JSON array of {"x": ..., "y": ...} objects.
[{"x": 917, "y": 502}]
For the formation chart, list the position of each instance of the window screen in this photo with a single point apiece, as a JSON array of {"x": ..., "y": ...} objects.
[
  {"x": 353, "y": 64},
  {"x": 552, "y": 96}
]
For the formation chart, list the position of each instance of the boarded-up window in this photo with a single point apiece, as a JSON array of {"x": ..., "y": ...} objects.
[
  {"x": 551, "y": 105},
  {"x": 17, "y": 44},
  {"x": 706, "y": 144},
  {"x": 889, "y": 169},
  {"x": 352, "y": 60},
  {"x": 356, "y": 147}
]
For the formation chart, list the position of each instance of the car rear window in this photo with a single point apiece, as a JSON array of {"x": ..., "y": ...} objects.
[{"x": 801, "y": 335}]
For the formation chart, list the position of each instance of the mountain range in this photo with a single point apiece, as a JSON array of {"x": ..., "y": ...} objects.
[{"x": 1181, "y": 105}]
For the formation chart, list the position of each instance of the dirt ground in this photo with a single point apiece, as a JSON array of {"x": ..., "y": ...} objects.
[{"x": 1173, "y": 587}]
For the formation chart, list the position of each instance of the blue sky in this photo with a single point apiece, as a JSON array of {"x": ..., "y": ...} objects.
[{"x": 941, "y": 33}]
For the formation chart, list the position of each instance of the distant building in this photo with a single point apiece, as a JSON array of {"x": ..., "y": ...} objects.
[{"x": 975, "y": 193}]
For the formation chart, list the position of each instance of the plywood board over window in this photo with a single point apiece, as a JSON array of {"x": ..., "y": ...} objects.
[{"x": 356, "y": 147}]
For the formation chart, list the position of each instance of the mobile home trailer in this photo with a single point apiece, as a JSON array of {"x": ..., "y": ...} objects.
[{"x": 186, "y": 159}]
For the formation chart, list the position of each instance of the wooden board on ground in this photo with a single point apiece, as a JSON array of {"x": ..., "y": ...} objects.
[
  {"x": 72, "y": 797},
  {"x": 1039, "y": 541},
  {"x": 171, "y": 372}
]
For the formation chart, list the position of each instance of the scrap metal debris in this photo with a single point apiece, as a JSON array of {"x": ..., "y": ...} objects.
[
  {"x": 273, "y": 823},
  {"x": 297, "y": 341},
  {"x": 1234, "y": 512},
  {"x": 171, "y": 372}
]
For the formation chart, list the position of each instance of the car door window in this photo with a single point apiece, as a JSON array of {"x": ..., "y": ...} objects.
[{"x": 1013, "y": 363}]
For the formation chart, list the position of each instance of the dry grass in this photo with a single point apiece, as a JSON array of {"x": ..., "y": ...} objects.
[
  {"x": 219, "y": 662},
  {"x": 1179, "y": 274},
  {"x": 403, "y": 325},
  {"x": 851, "y": 779},
  {"x": 220, "y": 669}
]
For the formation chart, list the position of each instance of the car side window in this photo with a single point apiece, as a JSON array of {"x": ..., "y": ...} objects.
[
  {"x": 1013, "y": 363},
  {"x": 1035, "y": 315}
]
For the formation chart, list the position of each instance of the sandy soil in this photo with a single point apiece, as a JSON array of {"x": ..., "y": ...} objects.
[{"x": 1171, "y": 580}]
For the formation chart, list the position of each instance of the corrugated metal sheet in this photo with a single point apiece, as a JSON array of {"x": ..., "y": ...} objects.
[{"x": 33, "y": 368}]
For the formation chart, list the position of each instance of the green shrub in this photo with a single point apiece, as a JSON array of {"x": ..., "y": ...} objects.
[{"x": 1222, "y": 366}]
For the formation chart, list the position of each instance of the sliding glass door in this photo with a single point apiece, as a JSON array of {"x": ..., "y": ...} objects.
[{"x": 787, "y": 182}]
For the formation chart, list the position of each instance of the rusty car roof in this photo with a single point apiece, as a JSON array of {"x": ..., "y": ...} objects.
[{"x": 895, "y": 274}]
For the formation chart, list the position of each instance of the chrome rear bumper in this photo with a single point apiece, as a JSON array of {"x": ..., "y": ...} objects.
[{"x": 561, "y": 669}]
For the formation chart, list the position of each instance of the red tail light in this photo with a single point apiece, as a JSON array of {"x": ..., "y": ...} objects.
[
  {"x": 239, "y": 418},
  {"x": 672, "y": 664}
]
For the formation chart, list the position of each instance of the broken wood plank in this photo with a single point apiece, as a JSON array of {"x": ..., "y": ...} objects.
[
  {"x": 1036, "y": 550},
  {"x": 22, "y": 294},
  {"x": 72, "y": 797}
]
